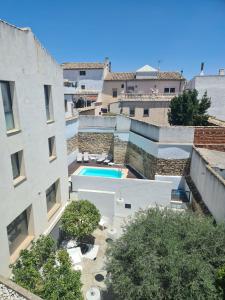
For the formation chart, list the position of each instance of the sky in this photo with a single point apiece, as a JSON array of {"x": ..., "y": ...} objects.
[{"x": 179, "y": 33}]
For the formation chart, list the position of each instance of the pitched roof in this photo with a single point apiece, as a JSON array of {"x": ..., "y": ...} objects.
[
  {"x": 120, "y": 76},
  {"x": 131, "y": 76},
  {"x": 146, "y": 68},
  {"x": 82, "y": 65}
]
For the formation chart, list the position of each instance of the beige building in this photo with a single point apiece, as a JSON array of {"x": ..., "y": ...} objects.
[
  {"x": 144, "y": 94},
  {"x": 33, "y": 168}
]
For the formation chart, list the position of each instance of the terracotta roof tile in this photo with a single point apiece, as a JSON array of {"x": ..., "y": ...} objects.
[
  {"x": 131, "y": 76},
  {"x": 82, "y": 65}
]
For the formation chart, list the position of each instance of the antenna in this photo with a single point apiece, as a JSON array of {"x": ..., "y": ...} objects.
[{"x": 159, "y": 62}]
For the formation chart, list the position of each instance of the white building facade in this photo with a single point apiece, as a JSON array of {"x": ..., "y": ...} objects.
[
  {"x": 33, "y": 169},
  {"x": 214, "y": 85}
]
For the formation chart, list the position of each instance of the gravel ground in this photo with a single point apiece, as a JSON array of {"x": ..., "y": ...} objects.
[{"x": 8, "y": 294}]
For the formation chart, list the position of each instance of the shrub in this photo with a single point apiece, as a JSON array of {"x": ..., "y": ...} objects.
[
  {"x": 167, "y": 255},
  {"x": 80, "y": 219}
]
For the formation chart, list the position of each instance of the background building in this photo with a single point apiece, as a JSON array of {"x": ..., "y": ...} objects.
[
  {"x": 214, "y": 85},
  {"x": 33, "y": 170},
  {"x": 83, "y": 83},
  {"x": 144, "y": 94}
]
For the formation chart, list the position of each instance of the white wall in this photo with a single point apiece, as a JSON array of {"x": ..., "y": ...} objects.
[
  {"x": 210, "y": 185},
  {"x": 215, "y": 87},
  {"x": 139, "y": 193},
  {"x": 26, "y": 63}
]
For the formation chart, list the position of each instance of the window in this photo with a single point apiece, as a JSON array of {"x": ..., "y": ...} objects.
[
  {"x": 82, "y": 73},
  {"x": 127, "y": 205},
  {"x": 83, "y": 87},
  {"x": 51, "y": 148},
  {"x": 17, "y": 165},
  {"x": 114, "y": 93},
  {"x": 169, "y": 90},
  {"x": 132, "y": 112},
  {"x": 8, "y": 105},
  {"x": 130, "y": 89},
  {"x": 51, "y": 196},
  {"x": 48, "y": 102},
  {"x": 17, "y": 231},
  {"x": 122, "y": 86},
  {"x": 146, "y": 112},
  {"x": 66, "y": 105}
]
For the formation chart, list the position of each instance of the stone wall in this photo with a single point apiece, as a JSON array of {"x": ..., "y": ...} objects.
[
  {"x": 149, "y": 165},
  {"x": 95, "y": 143},
  {"x": 72, "y": 144},
  {"x": 141, "y": 161},
  {"x": 120, "y": 150},
  {"x": 173, "y": 167}
]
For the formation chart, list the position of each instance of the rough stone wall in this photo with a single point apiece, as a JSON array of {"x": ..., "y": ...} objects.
[
  {"x": 141, "y": 161},
  {"x": 149, "y": 165},
  {"x": 72, "y": 144},
  {"x": 120, "y": 150},
  {"x": 95, "y": 143},
  {"x": 173, "y": 166},
  {"x": 210, "y": 138}
]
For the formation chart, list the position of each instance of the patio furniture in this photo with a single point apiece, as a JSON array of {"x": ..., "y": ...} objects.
[
  {"x": 101, "y": 158},
  {"x": 103, "y": 223},
  {"x": 78, "y": 268},
  {"x": 111, "y": 164},
  {"x": 86, "y": 157},
  {"x": 79, "y": 157},
  {"x": 93, "y": 294},
  {"x": 112, "y": 233},
  {"x": 71, "y": 244},
  {"x": 75, "y": 255},
  {"x": 108, "y": 159},
  {"x": 92, "y": 252}
]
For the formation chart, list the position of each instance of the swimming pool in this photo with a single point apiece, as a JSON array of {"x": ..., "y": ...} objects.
[{"x": 101, "y": 172}]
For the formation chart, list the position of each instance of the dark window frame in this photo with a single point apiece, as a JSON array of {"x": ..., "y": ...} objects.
[
  {"x": 82, "y": 73},
  {"x": 114, "y": 93},
  {"x": 144, "y": 112},
  {"x": 7, "y": 104},
  {"x": 132, "y": 112}
]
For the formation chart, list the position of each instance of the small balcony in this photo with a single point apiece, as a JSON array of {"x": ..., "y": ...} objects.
[{"x": 133, "y": 96}]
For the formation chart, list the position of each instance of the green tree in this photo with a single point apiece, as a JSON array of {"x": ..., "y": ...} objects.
[
  {"x": 80, "y": 219},
  {"x": 47, "y": 272},
  {"x": 188, "y": 110},
  {"x": 60, "y": 281},
  {"x": 167, "y": 255}
]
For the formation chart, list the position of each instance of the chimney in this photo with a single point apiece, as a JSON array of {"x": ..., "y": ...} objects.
[
  {"x": 221, "y": 72},
  {"x": 202, "y": 69}
]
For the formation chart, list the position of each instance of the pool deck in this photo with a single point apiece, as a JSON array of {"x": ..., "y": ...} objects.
[{"x": 74, "y": 166}]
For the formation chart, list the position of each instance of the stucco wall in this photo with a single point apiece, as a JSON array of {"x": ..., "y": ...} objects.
[
  {"x": 25, "y": 62},
  {"x": 209, "y": 184},
  {"x": 215, "y": 87}
]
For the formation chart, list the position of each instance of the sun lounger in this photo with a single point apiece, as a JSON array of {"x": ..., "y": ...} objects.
[
  {"x": 79, "y": 157},
  {"x": 101, "y": 158},
  {"x": 103, "y": 223},
  {"x": 108, "y": 159},
  {"x": 75, "y": 255},
  {"x": 86, "y": 157}
]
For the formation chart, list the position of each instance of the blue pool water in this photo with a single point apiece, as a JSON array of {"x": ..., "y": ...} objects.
[{"x": 101, "y": 172}]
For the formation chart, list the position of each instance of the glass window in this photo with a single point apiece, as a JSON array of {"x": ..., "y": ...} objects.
[
  {"x": 51, "y": 196},
  {"x": 51, "y": 146},
  {"x": 114, "y": 93},
  {"x": 127, "y": 205},
  {"x": 132, "y": 112},
  {"x": 146, "y": 112},
  {"x": 172, "y": 90},
  {"x": 7, "y": 103},
  {"x": 66, "y": 105},
  {"x": 166, "y": 90},
  {"x": 17, "y": 231},
  {"x": 48, "y": 104},
  {"x": 122, "y": 86},
  {"x": 82, "y": 73},
  {"x": 83, "y": 87},
  {"x": 16, "y": 161}
]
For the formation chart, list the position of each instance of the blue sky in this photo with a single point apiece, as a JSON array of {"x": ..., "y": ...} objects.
[{"x": 180, "y": 33}]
